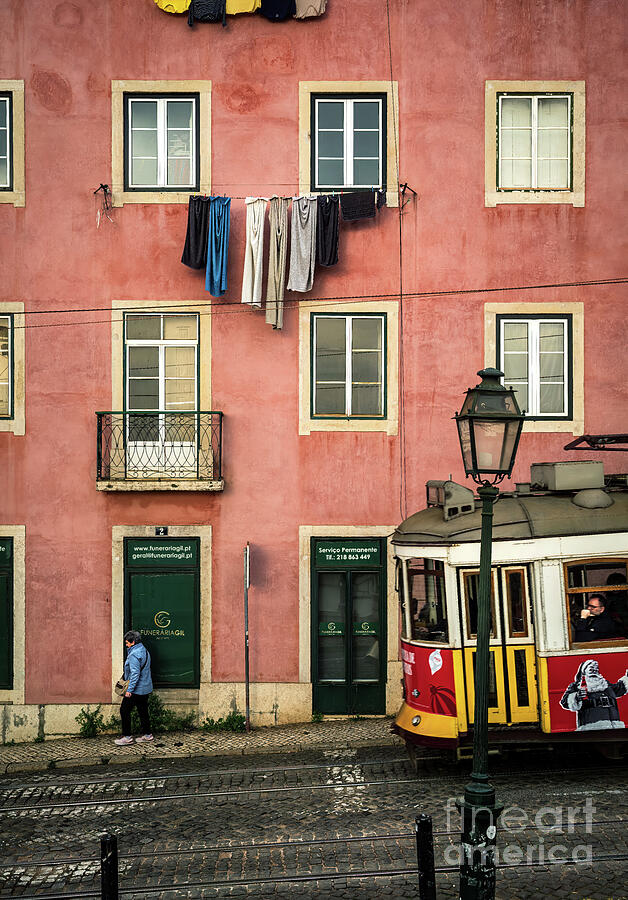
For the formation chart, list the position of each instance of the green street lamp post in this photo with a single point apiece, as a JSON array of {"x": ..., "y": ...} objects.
[{"x": 489, "y": 427}]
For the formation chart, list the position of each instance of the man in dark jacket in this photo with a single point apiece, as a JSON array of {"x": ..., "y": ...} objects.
[{"x": 595, "y": 621}]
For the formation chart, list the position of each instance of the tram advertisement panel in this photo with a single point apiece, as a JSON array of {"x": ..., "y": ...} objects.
[
  {"x": 429, "y": 679},
  {"x": 588, "y": 692}
]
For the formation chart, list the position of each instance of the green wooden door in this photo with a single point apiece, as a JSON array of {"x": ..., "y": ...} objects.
[
  {"x": 164, "y": 608},
  {"x": 349, "y": 641},
  {"x": 6, "y": 631}
]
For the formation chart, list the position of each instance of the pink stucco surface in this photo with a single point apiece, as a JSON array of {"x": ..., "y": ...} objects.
[{"x": 52, "y": 257}]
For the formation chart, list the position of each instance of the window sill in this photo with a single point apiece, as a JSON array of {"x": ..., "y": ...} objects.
[
  {"x": 121, "y": 197},
  {"x": 160, "y": 485},
  {"x": 386, "y": 426},
  {"x": 498, "y": 198},
  {"x": 17, "y": 198},
  {"x": 545, "y": 426}
]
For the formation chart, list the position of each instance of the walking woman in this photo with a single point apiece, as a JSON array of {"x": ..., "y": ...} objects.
[{"x": 137, "y": 671}]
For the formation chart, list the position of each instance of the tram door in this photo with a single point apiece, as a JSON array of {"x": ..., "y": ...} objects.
[
  {"x": 512, "y": 696},
  {"x": 348, "y": 628}
]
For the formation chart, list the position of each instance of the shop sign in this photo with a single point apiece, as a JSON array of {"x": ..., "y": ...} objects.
[
  {"x": 325, "y": 629},
  {"x": 365, "y": 628},
  {"x": 162, "y": 554},
  {"x": 6, "y": 550},
  {"x": 350, "y": 552}
]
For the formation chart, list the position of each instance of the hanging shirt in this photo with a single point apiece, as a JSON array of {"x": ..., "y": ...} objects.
[
  {"x": 253, "y": 251},
  {"x": 357, "y": 205},
  {"x": 218, "y": 245},
  {"x": 307, "y": 8},
  {"x": 327, "y": 231},
  {"x": 195, "y": 249},
  {"x": 303, "y": 244},
  {"x": 242, "y": 6},
  {"x": 277, "y": 10},
  {"x": 278, "y": 220}
]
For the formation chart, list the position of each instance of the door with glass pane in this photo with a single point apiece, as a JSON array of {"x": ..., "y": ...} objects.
[
  {"x": 512, "y": 691},
  {"x": 349, "y": 641},
  {"x": 161, "y": 367}
]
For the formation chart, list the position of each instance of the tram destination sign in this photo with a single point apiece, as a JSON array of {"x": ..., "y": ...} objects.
[
  {"x": 156, "y": 554},
  {"x": 350, "y": 552}
]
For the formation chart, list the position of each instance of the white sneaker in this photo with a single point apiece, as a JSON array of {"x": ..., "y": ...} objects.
[
  {"x": 143, "y": 737},
  {"x": 123, "y": 741}
]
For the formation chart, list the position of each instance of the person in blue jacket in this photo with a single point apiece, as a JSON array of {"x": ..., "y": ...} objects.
[{"x": 137, "y": 671}]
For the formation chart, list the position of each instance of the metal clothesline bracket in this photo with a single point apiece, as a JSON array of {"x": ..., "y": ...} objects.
[{"x": 402, "y": 190}]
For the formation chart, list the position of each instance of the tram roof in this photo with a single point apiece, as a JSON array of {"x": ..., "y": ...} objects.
[{"x": 516, "y": 517}]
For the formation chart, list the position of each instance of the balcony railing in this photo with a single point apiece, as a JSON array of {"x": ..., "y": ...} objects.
[{"x": 159, "y": 446}]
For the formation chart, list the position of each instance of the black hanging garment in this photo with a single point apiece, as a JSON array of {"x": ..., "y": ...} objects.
[
  {"x": 207, "y": 11},
  {"x": 358, "y": 205},
  {"x": 195, "y": 249},
  {"x": 278, "y": 10},
  {"x": 327, "y": 231}
]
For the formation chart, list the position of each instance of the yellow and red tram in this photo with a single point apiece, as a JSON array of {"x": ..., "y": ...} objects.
[{"x": 560, "y": 554}]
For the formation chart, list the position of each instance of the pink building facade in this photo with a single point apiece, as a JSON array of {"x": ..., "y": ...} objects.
[{"x": 505, "y": 246}]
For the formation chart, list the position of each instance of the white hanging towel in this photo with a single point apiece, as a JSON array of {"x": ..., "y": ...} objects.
[
  {"x": 253, "y": 251},
  {"x": 303, "y": 244}
]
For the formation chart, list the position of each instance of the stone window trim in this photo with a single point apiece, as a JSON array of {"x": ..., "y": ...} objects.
[
  {"x": 16, "y": 196},
  {"x": 342, "y": 88},
  {"x": 575, "y": 196},
  {"x": 118, "y": 90},
  {"x": 16, "y": 424},
  {"x": 389, "y": 424},
  {"x": 573, "y": 425},
  {"x": 15, "y": 695}
]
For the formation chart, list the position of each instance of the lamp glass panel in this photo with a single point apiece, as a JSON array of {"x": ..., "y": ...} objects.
[
  {"x": 464, "y": 433},
  {"x": 489, "y": 445}
]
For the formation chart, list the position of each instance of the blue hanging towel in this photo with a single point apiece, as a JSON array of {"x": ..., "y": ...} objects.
[{"x": 218, "y": 245}]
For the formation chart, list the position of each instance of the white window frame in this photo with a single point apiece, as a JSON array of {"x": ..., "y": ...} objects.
[
  {"x": 161, "y": 343},
  {"x": 535, "y": 128},
  {"x": 9, "y": 382},
  {"x": 533, "y": 355},
  {"x": 348, "y": 141},
  {"x": 6, "y": 102},
  {"x": 349, "y": 368},
  {"x": 162, "y": 142}
]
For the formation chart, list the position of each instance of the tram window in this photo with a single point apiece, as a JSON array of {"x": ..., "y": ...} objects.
[
  {"x": 515, "y": 593},
  {"x": 593, "y": 584},
  {"x": 428, "y": 611},
  {"x": 471, "y": 592}
]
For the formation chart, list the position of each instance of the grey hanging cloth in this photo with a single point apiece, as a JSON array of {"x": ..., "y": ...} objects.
[
  {"x": 303, "y": 244},
  {"x": 327, "y": 231},
  {"x": 195, "y": 249},
  {"x": 278, "y": 10},
  {"x": 278, "y": 220},
  {"x": 357, "y": 205},
  {"x": 207, "y": 11}
]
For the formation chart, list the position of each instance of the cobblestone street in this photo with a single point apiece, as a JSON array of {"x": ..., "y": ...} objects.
[{"x": 331, "y": 823}]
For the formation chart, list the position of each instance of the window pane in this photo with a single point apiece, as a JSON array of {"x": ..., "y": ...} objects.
[
  {"x": 142, "y": 328},
  {"x": 367, "y": 366},
  {"x": 366, "y": 114},
  {"x": 551, "y": 398},
  {"x": 3, "y": 113},
  {"x": 515, "y": 173},
  {"x": 144, "y": 393},
  {"x": 517, "y": 619},
  {"x": 426, "y": 583},
  {"x": 143, "y": 429},
  {"x": 180, "y": 362},
  {"x": 515, "y": 367},
  {"x": 180, "y": 429},
  {"x": 179, "y": 171},
  {"x": 553, "y": 143},
  {"x": 4, "y": 179},
  {"x": 366, "y": 334},
  {"x": 143, "y": 362},
  {"x": 330, "y": 365},
  {"x": 144, "y": 171},
  {"x": 180, "y": 393},
  {"x": 516, "y": 142},
  {"x": 331, "y": 333},
  {"x": 516, "y": 111},
  {"x": 521, "y": 678},
  {"x": 330, "y": 350},
  {"x": 553, "y": 111},
  {"x": 331, "y": 114},
  {"x": 144, "y": 143},
  {"x": 330, "y": 400},
  {"x": 366, "y": 400},
  {"x": 516, "y": 336},
  {"x": 330, "y": 172},
  {"x": 551, "y": 365},
  {"x": 179, "y": 143},
  {"x": 3, "y": 142},
  {"x": 4, "y": 366},
  {"x": 553, "y": 173},
  {"x": 331, "y": 626},
  {"x": 331, "y": 143},
  {"x": 179, "y": 113},
  {"x": 366, "y": 172},
  {"x": 521, "y": 395},
  {"x": 4, "y": 399},
  {"x": 144, "y": 113},
  {"x": 181, "y": 328},
  {"x": 366, "y": 143},
  {"x": 551, "y": 336},
  {"x": 365, "y": 603}
]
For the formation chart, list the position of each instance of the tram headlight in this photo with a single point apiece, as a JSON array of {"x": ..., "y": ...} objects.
[{"x": 416, "y": 720}]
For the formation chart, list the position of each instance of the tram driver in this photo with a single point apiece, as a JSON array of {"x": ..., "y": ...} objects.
[{"x": 595, "y": 623}]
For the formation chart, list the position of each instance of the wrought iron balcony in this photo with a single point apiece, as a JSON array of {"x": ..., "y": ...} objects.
[{"x": 161, "y": 450}]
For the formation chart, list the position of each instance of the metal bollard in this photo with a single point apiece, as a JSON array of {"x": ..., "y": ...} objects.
[
  {"x": 108, "y": 867},
  {"x": 425, "y": 857}
]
